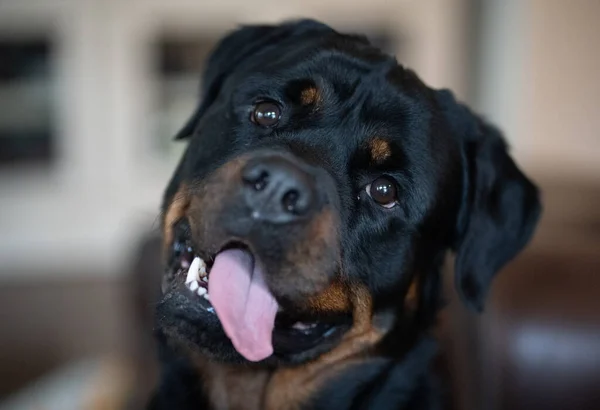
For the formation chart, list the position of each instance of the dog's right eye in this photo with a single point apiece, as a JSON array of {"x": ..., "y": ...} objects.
[
  {"x": 266, "y": 114},
  {"x": 383, "y": 190}
]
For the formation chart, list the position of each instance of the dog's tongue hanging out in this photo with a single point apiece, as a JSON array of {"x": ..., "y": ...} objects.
[{"x": 245, "y": 306}]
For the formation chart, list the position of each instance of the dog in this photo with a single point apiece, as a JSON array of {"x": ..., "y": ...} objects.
[{"x": 306, "y": 226}]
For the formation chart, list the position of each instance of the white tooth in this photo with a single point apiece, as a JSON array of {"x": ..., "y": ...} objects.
[
  {"x": 202, "y": 271},
  {"x": 193, "y": 286},
  {"x": 201, "y": 291},
  {"x": 206, "y": 296},
  {"x": 192, "y": 274},
  {"x": 303, "y": 326}
]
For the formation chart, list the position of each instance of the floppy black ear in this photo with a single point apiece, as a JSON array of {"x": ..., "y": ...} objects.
[
  {"x": 500, "y": 205},
  {"x": 233, "y": 50}
]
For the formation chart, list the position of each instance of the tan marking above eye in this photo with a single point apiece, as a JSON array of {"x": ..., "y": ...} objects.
[
  {"x": 380, "y": 149},
  {"x": 309, "y": 95}
]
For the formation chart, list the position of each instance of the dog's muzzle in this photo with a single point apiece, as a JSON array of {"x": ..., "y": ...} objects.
[{"x": 261, "y": 239}]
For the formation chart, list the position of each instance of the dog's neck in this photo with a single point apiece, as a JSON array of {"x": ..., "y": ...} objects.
[{"x": 235, "y": 387}]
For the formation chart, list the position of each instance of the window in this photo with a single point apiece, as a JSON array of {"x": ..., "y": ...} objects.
[
  {"x": 180, "y": 62},
  {"x": 26, "y": 103}
]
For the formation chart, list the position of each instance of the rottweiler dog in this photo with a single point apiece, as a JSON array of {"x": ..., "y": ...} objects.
[{"x": 307, "y": 222}]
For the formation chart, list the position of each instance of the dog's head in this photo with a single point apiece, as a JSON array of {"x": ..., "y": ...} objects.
[{"x": 320, "y": 179}]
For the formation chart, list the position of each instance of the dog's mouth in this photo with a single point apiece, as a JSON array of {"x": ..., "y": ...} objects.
[{"x": 231, "y": 285}]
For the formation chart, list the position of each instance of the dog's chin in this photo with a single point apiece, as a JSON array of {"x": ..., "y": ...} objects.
[
  {"x": 187, "y": 318},
  {"x": 189, "y": 323}
]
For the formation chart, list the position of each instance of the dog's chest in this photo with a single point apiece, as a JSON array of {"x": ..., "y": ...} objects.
[{"x": 284, "y": 389}]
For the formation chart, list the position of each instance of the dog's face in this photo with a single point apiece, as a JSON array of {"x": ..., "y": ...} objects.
[{"x": 320, "y": 179}]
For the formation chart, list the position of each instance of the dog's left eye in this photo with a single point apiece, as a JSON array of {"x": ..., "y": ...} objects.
[
  {"x": 383, "y": 190},
  {"x": 266, "y": 114}
]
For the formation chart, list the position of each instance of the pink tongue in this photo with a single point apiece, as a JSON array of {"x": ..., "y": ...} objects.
[{"x": 245, "y": 306}]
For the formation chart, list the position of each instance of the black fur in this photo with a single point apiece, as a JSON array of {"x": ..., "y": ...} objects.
[{"x": 459, "y": 190}]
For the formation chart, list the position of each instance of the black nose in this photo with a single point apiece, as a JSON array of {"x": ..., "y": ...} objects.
[{"x": 277, "y": 190}]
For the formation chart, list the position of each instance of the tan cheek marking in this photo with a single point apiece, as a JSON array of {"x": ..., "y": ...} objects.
[
  {"x": 177, "y": 209},
  {"x": 380, "y": 149},
  {"x": 324, "y": 226},
  {"x": 321, "y": 238},
  {"x": 309, "y": 96},
  {"x": 315, "y": 252},
  {"x": 320, "y": 235},
  {"x": 334, "y": 299}
]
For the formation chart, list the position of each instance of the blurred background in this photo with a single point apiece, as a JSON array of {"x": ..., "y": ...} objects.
[{"x": 91, "y": 92}]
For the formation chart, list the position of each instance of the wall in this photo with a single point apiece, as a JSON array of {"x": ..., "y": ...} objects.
[{"x": 540, "y": 79}]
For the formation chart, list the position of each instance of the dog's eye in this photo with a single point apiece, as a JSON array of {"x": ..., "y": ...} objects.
[
  {"x": 266, "y": 114},
  {"x": 383, "y": 191}
]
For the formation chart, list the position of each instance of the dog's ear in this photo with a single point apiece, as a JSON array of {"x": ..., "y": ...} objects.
[
  {"x": 233, "y": 50},
  {"x": 500, "y": 206}
]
